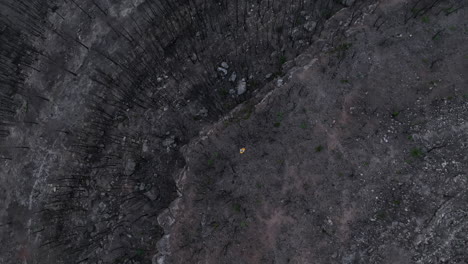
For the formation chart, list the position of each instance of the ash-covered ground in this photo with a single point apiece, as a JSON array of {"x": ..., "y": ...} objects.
[{"x": 121, "y": 124}]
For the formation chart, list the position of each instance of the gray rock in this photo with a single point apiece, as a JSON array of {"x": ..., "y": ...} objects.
[
  {"x": 279, "y": 82},
  {"x": 166, "y": 220},
  {"x": 224, "y": 65},
  {"x": 203, "y": 112},
  {"x": 151, "y": 195},
  {"x": 348, "y": 2},
  {"x": 295, "y": 33},
  {"x": 161, "y": 259},
  {"x": 223, "y": 71},
  {"x": 310, "y": 26},
  {"x": 163, "y": 245},
  {"x": 154, "y": 259},
  {"x": 130, "y": 167},
  {"x": 233, "y": 77},
  {"x": 168, "y": 141},
  {"x": 241, "y": 87}
]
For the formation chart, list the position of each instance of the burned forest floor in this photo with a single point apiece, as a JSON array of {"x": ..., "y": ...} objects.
[{"x": 266, "y": 131}]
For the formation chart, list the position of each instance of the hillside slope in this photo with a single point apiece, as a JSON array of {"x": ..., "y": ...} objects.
[
  {"x": 122, "y": 124},
  {"x": 359, "y": 157}
]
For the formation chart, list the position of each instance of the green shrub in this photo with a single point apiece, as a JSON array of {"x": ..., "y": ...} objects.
[
  {"x": 319, "y": 148},
  {"x": 416, "y": 152},
  {"x": 237, "y": 207},
  {"x": 282, "y": 60}
]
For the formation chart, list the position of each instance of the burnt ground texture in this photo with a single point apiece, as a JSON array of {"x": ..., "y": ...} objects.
[{"x": 121, "y": 125}]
